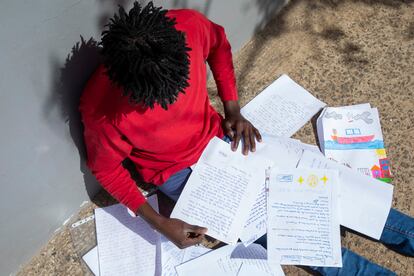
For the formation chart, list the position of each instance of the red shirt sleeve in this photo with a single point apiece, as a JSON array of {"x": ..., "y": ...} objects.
[
  {"x": 106, "y": 151},
  {"x": 217, "y": 51}
]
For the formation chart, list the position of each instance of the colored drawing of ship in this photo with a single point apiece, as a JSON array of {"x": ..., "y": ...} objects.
[{"x": 351, "y": 139}]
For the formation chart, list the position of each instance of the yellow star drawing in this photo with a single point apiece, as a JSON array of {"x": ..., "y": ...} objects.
[
  {"x": 324, "y": 179},
  {"x": 300, "y": 180}
]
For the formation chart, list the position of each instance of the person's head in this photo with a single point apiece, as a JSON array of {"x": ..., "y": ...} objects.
[{"x": 145, "y": 55}]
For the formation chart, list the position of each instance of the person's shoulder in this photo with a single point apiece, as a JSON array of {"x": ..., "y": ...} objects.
[{"x": 98, "y": 91}]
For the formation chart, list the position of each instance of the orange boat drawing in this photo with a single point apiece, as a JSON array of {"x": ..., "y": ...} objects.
[{"x": 351, "y": 140}]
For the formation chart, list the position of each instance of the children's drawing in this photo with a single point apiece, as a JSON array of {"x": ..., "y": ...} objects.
[
  {"x": 333, "y": 115},
  {"x": 365, "y": 117},
  {"x": 382, "y": 172},
  {"x": 351, "y": 136}
]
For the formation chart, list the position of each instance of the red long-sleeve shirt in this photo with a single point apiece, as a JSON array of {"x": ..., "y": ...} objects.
[{"x": 160, "y": 142}]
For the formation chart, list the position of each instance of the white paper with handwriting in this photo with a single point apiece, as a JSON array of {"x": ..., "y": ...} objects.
[
  {"x": 303, "y": 223},
  {"x": 228, "y": 260},
  {"x": 364, "y": 202},
  {"x": 127, "y": 245},
  {"x": 221, "y": 190},
  {"x": 172, "y": 256},
  {"x": 282, "y": 108},
  {"x": 285, "y": 153}
]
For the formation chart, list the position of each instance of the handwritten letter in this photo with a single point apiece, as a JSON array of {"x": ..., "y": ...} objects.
[
  {"x": 126, "y": 244},
  {"x": 303, "y": 225},
  {"x": 364, "y": 202},
  {"x": 282, "y": 108},
  {"x": 221, "y": 190},
  {"x": 285, "y": 153}
]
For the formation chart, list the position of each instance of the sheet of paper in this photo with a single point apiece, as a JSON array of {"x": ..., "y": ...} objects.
[
  {"x": 364, "y": 202},
  {"x": 91, "y": 259},
  {"x": 249, "y": 270},
  {"x": 329, "y": 110},
  {"x": 282, "y": 108},
  {"x": 353, "y": 137},
  {"x": 193, "y": 252},
  {"x": 312, "y": 148},
  {"x": 126, "y": 244},
  {"x": 285, "y": 153},
  {"x": 172, "y": 256},
  {"x": 221, "y": 190},
  {"x": 255, "y": 225},
  {"x": 303, "y": 223},
  {"x": 227, "y": 260}
]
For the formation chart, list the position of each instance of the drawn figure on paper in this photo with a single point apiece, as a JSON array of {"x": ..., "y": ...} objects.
[
  {"x": 324, "y": 179},
  {"x": 333, "y": 115},
  {"x": 381, "y": 153},
  {"x": 364, "y": 116},
  {"x": 382, "y": 172},
  {"x": 313, "y": 180},
  {"x": 284, "y": 177},
  {"x": 351, "y": 136}
]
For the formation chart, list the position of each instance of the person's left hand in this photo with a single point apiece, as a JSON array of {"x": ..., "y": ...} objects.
[{"x": 237, "y": 127}]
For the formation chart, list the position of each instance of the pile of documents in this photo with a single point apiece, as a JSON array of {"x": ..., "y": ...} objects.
[
  {"x": 127, "y": 245},
  {"x": 285, "y": 189}
]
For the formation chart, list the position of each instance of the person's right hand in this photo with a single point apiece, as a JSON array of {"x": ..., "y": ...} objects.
[{"x": 182, "y": 234}]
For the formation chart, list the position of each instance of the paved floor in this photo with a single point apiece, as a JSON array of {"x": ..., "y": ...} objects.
[{"x": 344, "y": 52}]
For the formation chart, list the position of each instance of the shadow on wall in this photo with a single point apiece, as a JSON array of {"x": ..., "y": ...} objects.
[
  {"x": 183, "y": 4},
  {"x": 67, "y": 89},
  {"x": 81, "y": 62},
  {"x": 110, "y": 7}
]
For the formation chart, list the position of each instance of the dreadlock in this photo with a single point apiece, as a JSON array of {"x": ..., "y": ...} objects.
[{"x": 146, "y": 55}]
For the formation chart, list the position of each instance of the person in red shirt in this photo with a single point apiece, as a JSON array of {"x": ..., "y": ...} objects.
[{"x": 148, "y": 102}]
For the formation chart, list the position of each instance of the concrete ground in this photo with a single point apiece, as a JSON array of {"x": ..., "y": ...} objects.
[{"x": 343, "y": 52}]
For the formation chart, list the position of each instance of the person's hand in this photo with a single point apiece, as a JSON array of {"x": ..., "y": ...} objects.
[
  {"x": 237, "y": 127},
  {"x": 181, "y": 233}
]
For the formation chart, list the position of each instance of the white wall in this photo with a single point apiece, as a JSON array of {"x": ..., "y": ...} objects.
[{"x": 42, "y": 173}]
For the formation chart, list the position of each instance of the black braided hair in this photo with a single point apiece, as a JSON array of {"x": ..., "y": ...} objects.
[{"x": 145, "y": 55}]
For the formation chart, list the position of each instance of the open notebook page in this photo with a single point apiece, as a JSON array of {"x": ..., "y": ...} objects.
[{"x": 126, "y": 244}]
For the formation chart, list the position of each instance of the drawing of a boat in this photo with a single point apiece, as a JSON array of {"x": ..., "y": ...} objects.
[{"x": 351, "y": 139}]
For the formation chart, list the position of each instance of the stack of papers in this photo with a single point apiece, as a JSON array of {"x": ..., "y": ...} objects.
[
  {"x": 351, "y": 135},
  {"x": 221, "y": 190},
  {"x": 127, "y": 245},
  {"x": 364, "y": 203},
  {"x": 286, "y": 189},
  {"x": 228, "y": 260}
]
